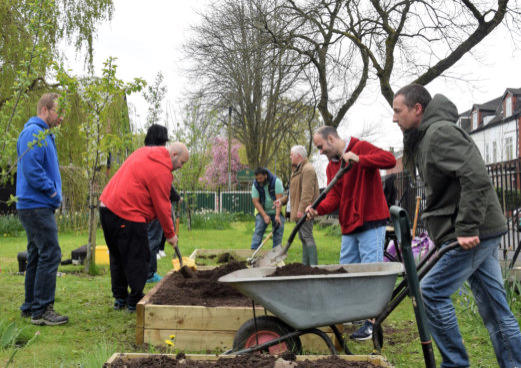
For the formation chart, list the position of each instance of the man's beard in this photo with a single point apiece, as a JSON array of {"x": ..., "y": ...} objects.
[{"x": 411, "y": 138}]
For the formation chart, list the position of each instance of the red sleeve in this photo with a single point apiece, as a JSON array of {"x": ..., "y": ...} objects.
[
  {"x": 160, "y": 195},
  {"x": 373, "y": 157},
  {"x": 332, "y": 200}
]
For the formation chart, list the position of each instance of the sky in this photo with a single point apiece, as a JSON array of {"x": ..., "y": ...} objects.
[{"x": 148, "y": 39}]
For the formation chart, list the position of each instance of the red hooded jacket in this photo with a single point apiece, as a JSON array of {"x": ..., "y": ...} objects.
[
  {"x": 358, "y": 195},
  {"x": 140, "y": 189}
]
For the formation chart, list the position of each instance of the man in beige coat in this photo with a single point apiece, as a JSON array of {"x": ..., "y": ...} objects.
[{"x": 303, "y": 190}]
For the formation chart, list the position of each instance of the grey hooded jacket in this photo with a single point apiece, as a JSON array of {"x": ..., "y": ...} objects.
[{"x": 460, "y": 197}]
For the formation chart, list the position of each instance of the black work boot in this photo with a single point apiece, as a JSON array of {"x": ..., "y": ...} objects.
[{"x": 49, "y": 318}]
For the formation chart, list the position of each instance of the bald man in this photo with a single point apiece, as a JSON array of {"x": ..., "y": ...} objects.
[{"x": 138, "y": 193}]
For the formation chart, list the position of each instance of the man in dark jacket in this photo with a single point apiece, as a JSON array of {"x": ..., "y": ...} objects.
[
  {"x": 461, "y": 204},
  {"x": 39, "y": 192}
]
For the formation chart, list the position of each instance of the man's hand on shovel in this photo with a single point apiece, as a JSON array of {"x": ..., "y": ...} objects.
[{"x": 172, "y": 241}]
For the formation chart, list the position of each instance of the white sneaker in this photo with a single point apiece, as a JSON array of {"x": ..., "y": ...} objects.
[
  {"x": 158, "y": 256},
  {"x": 162, "y": 253}
]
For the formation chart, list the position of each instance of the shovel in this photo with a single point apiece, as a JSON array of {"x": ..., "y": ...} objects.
[
  {"x": 279, "y": 253},
  {"x": 184, "y": 269},
  {"x": 252, "y": 259}
]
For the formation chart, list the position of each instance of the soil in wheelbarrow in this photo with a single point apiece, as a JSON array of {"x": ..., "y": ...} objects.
[
  {"x": 298, "y": 269},
  {"x": 204, "y": 289},
  {"x": 241, "y": 361}
]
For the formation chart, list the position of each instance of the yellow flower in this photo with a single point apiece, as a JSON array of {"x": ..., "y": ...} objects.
[
  {"x": 169, "y": 342},
  {"x": 172, "y": 337}
]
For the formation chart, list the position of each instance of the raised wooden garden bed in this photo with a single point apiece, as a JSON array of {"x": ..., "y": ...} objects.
[
  {"x": 375, "y": 360},
  {"x": 200, "y": 328}
]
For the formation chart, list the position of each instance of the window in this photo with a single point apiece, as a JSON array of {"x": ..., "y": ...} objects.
[
  {"x": 509, "y": 148},
  {"x": 494, "y": 151},
  {"x": 487, "y": 154},
  {"x": 508, "y": 106},
  {"x": 475, "y": 115}
]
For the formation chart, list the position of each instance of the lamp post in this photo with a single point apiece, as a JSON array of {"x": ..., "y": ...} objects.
[{"x": 229, "y": 148}]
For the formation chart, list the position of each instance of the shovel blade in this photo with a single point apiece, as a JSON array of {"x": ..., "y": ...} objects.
[{"x": 273, "y": 258}]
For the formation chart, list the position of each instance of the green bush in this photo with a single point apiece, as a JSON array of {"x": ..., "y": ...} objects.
[
  {"x": 72, "y": 221},
  {"x": 207, "y": 219},
  {"x": 10, "y": 225}
]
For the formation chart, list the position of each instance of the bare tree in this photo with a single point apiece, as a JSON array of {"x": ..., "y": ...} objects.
[
  {"x": 239, "y": 67},
  {"x": 414, "y": 39}
]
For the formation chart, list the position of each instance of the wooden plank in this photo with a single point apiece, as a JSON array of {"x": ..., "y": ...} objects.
[
  {"x": 192, "y": 340},
  {"x": 376, "y": 360},
  {"x": 197, "y": 317}
]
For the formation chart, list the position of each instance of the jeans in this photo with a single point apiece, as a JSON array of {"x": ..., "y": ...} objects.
[
  {"x": 309, "y": 248},
  {"x": 363, "y": 247},
  {"x": 481, "y": 268},
  {"x": 155, "y": 234},
  {"x": 43, "y": 259},
  {"x": 260, "y": 227}
]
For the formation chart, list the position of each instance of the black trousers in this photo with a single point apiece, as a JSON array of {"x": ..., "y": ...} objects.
[{"x": 129, "y": 255}]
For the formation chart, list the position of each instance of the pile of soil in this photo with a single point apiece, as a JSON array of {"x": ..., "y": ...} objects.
[
  {"x": 221, "y": 258},
  {"x": 203, "y": 290},
  {"x": 226, "y": 258},
  {"x": 241, "y": 361},
  {"x": 298, "y": 269}
]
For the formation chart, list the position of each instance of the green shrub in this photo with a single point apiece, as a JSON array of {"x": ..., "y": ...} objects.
[
  {"x": 72, "y": 221},
  {"x": 207, "y": 219},
  {"x": 10, "y": 225}
]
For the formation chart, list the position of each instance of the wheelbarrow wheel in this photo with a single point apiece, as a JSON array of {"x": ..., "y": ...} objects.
[{"x": 268, "y": 328}]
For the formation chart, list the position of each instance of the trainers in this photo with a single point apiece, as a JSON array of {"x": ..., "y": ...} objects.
[
  {"x": 49, "y": 318},
  {"x": 161, "y": 253},
  {"x": 363, "y": 333},
  {"x": 25, "y": 313},
  {"x": 158, "y": 257},
  {"x": 120, "y": 304},
  {"x": 155, "y": 278}
]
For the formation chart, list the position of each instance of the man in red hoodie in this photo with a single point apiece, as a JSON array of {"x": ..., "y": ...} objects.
[
  {"x": 138, "y": 193},
  {"x": 359, "y": 198}
]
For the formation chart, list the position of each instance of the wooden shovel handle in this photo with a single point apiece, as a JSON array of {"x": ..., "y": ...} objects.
[
  {"x": 415, "y": 223},
  {"x": 177, "y": 226}
]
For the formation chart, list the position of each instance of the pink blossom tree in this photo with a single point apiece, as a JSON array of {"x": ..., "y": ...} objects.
[{"x": 217, "y": 172}]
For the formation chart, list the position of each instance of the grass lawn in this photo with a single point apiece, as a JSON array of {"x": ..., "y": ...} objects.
[{"x": 95, "y": 330}]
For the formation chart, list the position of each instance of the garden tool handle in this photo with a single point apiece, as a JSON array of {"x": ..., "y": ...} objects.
[
  {"x": 343, "y": 169},
  {"x": 252, "y": 258},
  {"x": 178, "y": 254},
  {"x": 415, "y": 221}
]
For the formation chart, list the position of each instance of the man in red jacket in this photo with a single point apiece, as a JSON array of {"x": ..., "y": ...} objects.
[
  {"x": 138, "y": 193},
  {"x": 359, "y": 198}
]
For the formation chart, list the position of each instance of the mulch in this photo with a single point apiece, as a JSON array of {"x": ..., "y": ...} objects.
[
  {"x": 298, "y": 269},
  {"x": 241, "y": 361}
]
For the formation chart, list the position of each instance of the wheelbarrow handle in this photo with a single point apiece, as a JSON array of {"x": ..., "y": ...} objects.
[{"x": 343, "y": 169}]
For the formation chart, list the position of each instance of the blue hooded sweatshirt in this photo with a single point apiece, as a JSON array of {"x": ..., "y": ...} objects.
[{"x": 38, "y": 174}]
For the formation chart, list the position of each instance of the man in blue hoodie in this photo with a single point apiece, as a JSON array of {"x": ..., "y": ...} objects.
[{"x": 39, "y": 192}]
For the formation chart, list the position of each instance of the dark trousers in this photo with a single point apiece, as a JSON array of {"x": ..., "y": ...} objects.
[
  {"x": 129, "y": 255},
  {"x": 155, "y": 234},
  {"x": 43, "y": 259}
]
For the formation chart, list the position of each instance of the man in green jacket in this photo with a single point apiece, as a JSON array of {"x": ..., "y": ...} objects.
[{"x": 462, "y": 205}]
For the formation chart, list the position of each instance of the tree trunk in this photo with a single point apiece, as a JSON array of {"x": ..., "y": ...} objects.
[{"x": 90, "y": 261}]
